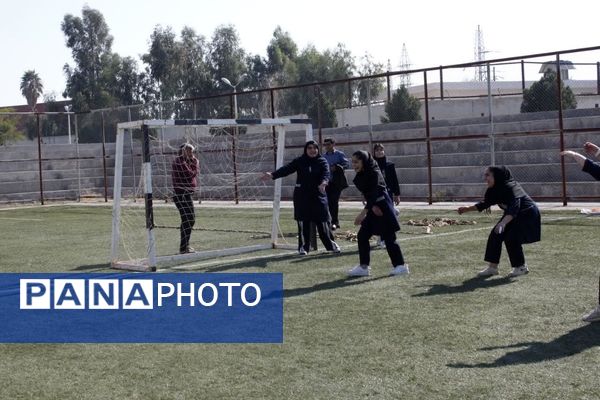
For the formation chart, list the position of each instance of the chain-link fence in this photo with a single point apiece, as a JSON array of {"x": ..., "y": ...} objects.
[{"x": 441, "y": 126}]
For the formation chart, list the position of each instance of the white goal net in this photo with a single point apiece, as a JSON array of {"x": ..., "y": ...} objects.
[{"x": 158, "y": 220}]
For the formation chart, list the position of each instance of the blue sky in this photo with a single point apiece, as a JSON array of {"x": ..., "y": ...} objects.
[{"x": 435, "y": 33}]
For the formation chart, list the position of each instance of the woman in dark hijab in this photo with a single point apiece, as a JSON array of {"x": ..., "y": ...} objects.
[
  {"x": 520, "y": 223},
  {"x": 377, "y": 218},
  {"x": 310, "y": 199}
]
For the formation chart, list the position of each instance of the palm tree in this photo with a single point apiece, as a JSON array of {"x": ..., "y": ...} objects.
[{"x": 31, "y": 87}]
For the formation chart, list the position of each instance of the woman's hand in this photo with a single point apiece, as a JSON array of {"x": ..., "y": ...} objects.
[
  {"x": 499, "y": 228},
  {"x": 322, "y": 186},
  {"x": 377, "y": 211},
  {"x": 360, "y": 217},
  {"x": 591, "y": 149},
  {"x": 462, "y": 210},
  {"x": 266, "y": 176}
]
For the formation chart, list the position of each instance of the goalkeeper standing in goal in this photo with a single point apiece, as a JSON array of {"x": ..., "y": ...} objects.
[
  {"x": 310, "y": 198},
  {"x": 184, "y": 171},
  {"x": 592, "y": 168}
]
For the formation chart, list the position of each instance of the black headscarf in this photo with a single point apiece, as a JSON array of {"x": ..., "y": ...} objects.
[
  {"x": 505, "y": 187},
  {"x": 364, "y": 180}
]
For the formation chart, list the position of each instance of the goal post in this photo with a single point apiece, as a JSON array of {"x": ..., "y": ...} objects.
[{"x": 229, "y": 160}]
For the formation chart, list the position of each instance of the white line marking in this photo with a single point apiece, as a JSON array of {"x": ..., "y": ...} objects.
[{"x": 22, "y": 219}]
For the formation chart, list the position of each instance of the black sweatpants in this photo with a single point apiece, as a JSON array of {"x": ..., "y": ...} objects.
[
  {"x": 514, "y": 247},
  {"x": 324, "y": 230},
  {"x": 333, "y": 200},
  {"x": 391, "y": 245},
  {"x": 185, "y": 206}
]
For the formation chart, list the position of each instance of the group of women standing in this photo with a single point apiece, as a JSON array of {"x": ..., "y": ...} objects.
[{"x": 520, "y": 223}]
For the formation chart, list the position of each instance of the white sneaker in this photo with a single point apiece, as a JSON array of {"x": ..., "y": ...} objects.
[
  {"x": 336, "y": 248},
  {"x": 381, "y": 244},
  {"x": 400, "y": 270},
  {"x": 489, "y": 271},
  {"x": 592, "y": 316},
  {"x": 360, "y": 270},
  {"x": 302, "y": 252},
  {"x": 518, "y": 271}
]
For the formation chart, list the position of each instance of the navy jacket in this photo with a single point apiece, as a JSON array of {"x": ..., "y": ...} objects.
[
  {"x": 526, "y": 217},
  {"x": 592, "y": 168},
  {"x": 388, "y": 170},
  {"x": 309, "y": 203}
]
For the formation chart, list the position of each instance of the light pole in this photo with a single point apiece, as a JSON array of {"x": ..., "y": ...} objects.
[
  {"x": 68, "y": 110},
  {"x": 234, "y": 87}
]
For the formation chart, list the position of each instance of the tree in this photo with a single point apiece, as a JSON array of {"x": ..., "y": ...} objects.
[
  {"x": 327, "y": 113},
  {"x": 90, "y": 42},
  {"x": 8, "y": 128},
  {"x": 402, "y": 107},
  {"x": 369, "y": 67},
  {"x": 281, "y": 51},
  {"x": 542, "y": 96},
  {"x": 31, "y": 87}
]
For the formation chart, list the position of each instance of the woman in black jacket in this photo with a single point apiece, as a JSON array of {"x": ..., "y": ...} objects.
[
  {"x": 520, "y": 223},
  {"x": 592, "y": 168},
  {"x": 310, "y": 199},
  {"x": 377, "y": 218}
]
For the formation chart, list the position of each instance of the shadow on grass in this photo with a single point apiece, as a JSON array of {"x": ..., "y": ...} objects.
[
  {"x": 250, "y": 263},
  {"x": 569, "y": 344},
  {"x": 92, "y": 267},
  {"x": 323, "y": 255},
  {"x": 470, "y": 285},
  {"x": 336, "y": 284}
]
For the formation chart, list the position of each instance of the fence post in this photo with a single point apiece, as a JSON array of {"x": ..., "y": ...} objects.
[
  {"x": 561, "y": 129},
  {"x": 369, "y": 115},
  {"x": 349, "y": 94},
  {"x": 39, "y": 137},
  {"x": 389, "y": 88},
  {"x": 274, "y": 133},
  {"x": 76, "y": 123},
  {"x": 491, "y": 117},
  {"x": 523, "y": 75},
  {"x": 428, "y": 139},
  {"x": 441, "y": 83},
  {"x": 233, "y": 115},
  {"x": 104, "y": 158},
  {"x": 598, "y": 78},
  {"x": 319, "y": 115}
]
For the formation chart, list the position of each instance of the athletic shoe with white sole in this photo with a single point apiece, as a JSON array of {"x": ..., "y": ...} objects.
[
  {"x": 360, "y": 270},
  {"x": 302, "y": 252},
  {"x": 518, "y": 271},
  {"x": 336, "y": 248},
  {"x": 400, "y": 270},
  {"x": 592, "y": 316},
  {"x": 489, "y": 271},
  {"x": 381, "y": 243}
]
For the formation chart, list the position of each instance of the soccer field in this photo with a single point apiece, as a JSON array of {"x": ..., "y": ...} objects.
[{"x": 436, "y": 334}]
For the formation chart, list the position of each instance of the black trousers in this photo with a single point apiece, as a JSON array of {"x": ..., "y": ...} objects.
[
  {"x": 185, "y": 206},
  {"x": 324, "y": 229},
  {"x": 391, "y": 245},
  {"x": 333, "y": 199},
  {"x": 513, "y": 245}
]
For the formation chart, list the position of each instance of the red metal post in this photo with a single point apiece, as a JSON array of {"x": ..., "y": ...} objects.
[
  {"x": 39, "y": 137},
  {"x": 389, "y": 87},
  {"x": 441, "y": 82},
  {"x": 523, "y": 75},
  {"x": 561, "y": 129},
  {"x": 428, "y": 138},
  {"x": 349, "y": 94},
  {"x": 236, "y": 193},
  {"x": 104, "y": 159},
  {"x": 273, "y": 129}
]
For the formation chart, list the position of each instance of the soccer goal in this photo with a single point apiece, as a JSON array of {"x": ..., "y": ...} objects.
[{"x": 232, "y": 156}]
